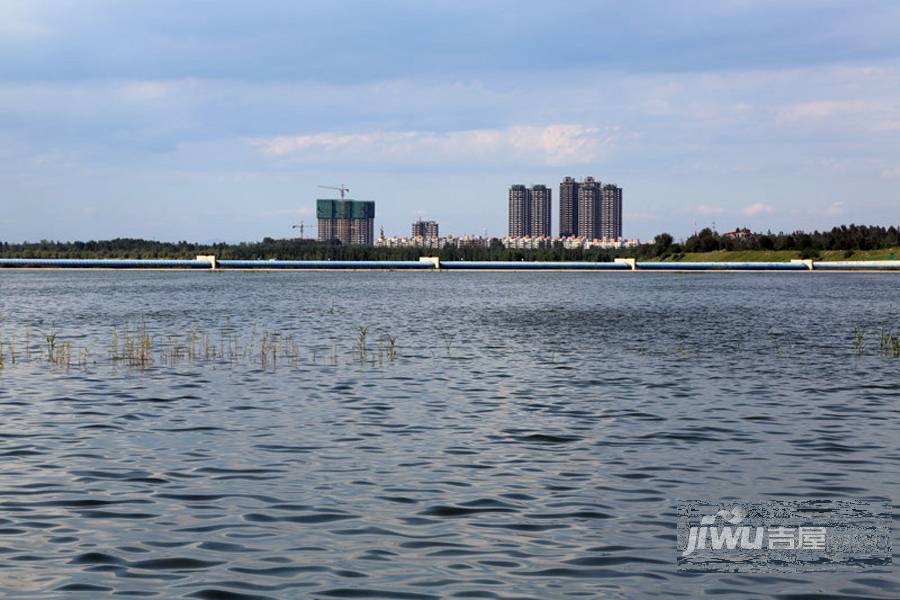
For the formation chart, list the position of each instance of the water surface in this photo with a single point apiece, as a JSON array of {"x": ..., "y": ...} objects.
[{"x": 529, "y": 440}]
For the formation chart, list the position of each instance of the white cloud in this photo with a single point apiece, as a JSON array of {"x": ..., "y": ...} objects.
[
  {"x": 147, "y": 90},
  {"x": 891, "y": 172},
  {"x": 820, "y": 109},
  {"x": 555, "y": 144},
  {"x": 875, "y": 115},
  {"x": 752, "y": 210},
  {"x": 757, "y": 208},
  {"x": 18, "y": 19},
  {"x": 836, "y": 208},
  {"x": 708, "y": 209}
]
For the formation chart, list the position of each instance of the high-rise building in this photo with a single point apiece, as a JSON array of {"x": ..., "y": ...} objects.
[
  {"x": 425, "y": 229},
  {"x": 611, "y": 212},
  {"x": 568, "y": 207},
  {"x": 589, "y": 209},
  {"x": 530, "y": 211},
  {"x": 541, "y": 211},
  {"x": 519, "y": 211},
  {"x": 349, "y": 221}
]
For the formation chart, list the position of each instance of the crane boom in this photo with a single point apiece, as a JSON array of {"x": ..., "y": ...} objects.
[{"x": 342, "y": 189}]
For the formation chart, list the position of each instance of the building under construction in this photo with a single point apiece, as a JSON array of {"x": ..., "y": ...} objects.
[
  {"x": 348, "y": 221},
  {"x": 425, "y": 229}
]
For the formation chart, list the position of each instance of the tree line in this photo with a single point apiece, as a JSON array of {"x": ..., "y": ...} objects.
[{"x": 848, "y": 238}]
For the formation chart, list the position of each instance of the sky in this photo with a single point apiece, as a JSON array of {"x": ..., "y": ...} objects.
[{"x": 216, "y": 121}]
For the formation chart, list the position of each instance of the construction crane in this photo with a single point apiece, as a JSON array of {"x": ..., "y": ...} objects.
[
  {"x": 300, "y": 227},
  {"x": 342, "y": 189}
]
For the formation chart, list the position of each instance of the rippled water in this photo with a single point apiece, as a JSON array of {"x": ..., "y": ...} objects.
[{"x": 529, "y": 441}]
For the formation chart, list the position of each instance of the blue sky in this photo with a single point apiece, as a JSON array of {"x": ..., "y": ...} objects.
[{"x": 217, "y": 120}]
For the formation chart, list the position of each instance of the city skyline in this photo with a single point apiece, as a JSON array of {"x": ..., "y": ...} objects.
[
  {"x": 587, "y": 209},
  {"x": 171, "y": 121}
]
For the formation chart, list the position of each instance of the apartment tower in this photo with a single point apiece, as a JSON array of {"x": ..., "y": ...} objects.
[
  {"x": 568, "y": 207},
  {"x": 611, "y": 212},
  {"x": 589, "y": 209},
  {"x": 519, "y": 211},
  {"x": 541, "y": 211}
]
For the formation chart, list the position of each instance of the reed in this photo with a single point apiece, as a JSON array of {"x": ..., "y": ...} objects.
[
  {"x": 890, "y": 344},
  {"x": 11, "y": 347},
  {"x": 146, "y": 346},
  {"x": 448, "y": 341},
  {"x": 264, "y": 349},
  {"x": 782, "y": 349},
  {"x": 380, "y": 351},
  {"x": 64, "y": 355},
  {"x": 858, "y": 335},
  {"x": 114, "y": 345},
  {"x": 139, "y": 345},
  {"x": 361, "y": 333},
  {"x": 391, "y": 346},
  {"x": 84, "y": 356},
  {"x": 50, "y": 338}
]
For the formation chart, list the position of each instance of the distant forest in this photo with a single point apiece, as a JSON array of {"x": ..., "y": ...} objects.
[{"x": 848, "y": 238}]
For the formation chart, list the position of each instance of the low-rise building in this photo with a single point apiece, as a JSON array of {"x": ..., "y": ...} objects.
[
  {"x": 569, "y": 243},
  {"x": 468, "y": 241}
]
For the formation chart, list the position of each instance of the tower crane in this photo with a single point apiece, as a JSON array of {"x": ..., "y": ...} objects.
[{"x": 342, "y": 189}]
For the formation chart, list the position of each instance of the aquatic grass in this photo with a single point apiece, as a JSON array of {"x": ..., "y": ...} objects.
[
  {"x": 361, "y": 333},
  {"x": 51, "y": 345},
  {"x": 448, "y": 341},
  {"x": 858, "y": 335},
  {"x": 392, "y": 346},
  {"x": 264, "y": 349},
  {"x": 114, "y": 345},
  {"x": 84, "y": 356},
  {"x": 783, "y": 348},
  {"x": 380, "y": 351},
  {"x": 64, "y": 354},
  {"x": 11, "y": 344},
  {"x": 142, "y": 346},
  {"x": 889, "y": 344}
]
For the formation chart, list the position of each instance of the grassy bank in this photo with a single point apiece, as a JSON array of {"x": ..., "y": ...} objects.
[{"x": 784, "y": 255}]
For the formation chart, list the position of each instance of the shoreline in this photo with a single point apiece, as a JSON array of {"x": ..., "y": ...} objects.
[{"x": 210, "y": 263}]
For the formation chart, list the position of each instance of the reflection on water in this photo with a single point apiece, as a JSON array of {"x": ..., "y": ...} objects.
[{"x": 529, "y": 440}]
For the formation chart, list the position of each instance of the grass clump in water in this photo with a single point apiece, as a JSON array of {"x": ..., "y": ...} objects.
[
  {"x": 858, "y": 336},
  {"x": 890, "y": 344},
  {"x": 361, "y": 334},
  {"x": 140, "y": 345},
  {"x": 391, "y": 346}
]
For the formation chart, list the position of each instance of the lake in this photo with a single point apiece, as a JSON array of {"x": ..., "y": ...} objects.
[{"x": 484, "y": 435}]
